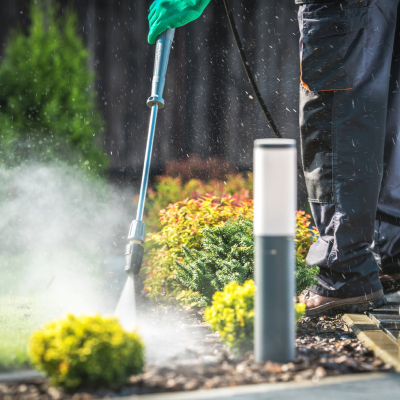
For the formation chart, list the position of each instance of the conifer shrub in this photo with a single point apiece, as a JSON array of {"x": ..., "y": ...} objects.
[
  {"x": 47, "y": 100},
  {"x": 231, "y": 314},
  {"x": 86, "y": 352},
  {"x": 226, "y": 254}
]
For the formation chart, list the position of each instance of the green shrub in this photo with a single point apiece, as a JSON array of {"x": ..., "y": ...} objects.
[
  {"x": 232, "y": 315},
  {"x": 47, "y": 99},
  {"x": 170, "y": 190},
  {"x": 226, "y": 253},
  {"x": 305, "y": 276},
  {"x": 87, "y": 351},
  {"x": 183, "y": 223}
]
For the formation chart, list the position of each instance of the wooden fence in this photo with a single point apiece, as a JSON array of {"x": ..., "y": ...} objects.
[{"x": 210, "y": 109}]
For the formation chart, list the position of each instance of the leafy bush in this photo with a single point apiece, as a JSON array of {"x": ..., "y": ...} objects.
[
  {"x": 183, "y": 223},
  {"x": 86, "y": 352},
  {"x": 305, "y": 236},
  {"x": 226, "y": 255},
  {"x": 47, "y": 101},
  {"x": 232, "y": 315},
  {"x": 169, "y": 190}
]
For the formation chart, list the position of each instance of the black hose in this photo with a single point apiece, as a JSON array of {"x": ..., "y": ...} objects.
[
  {"x": 251, "y": 77},
  {"x": 248, "y": 70}
]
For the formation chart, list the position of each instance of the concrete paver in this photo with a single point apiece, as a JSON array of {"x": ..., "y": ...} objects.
[
  {"x": 352, "y": 387},
  {"x": 374, "y": 338},
  {"x": 348, "y": 387},
  {"x": 19, "y": 375}
]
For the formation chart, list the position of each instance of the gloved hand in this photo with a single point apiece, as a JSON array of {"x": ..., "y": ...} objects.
[{"x": 168, "y": 14}]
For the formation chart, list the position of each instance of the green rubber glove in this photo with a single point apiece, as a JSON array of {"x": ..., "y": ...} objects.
[{"x": 168, "y": 14}]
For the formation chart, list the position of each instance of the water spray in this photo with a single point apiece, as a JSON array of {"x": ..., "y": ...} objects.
[{"x": 134, "y": 249}]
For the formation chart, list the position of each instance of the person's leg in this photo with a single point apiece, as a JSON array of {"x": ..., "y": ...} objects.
[
  {"x": 346, "y": 50},
  {"x": 387, "y": 225}
]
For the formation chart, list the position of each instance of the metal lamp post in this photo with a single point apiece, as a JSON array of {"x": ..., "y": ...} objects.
[{"x": 275, "y": 198}]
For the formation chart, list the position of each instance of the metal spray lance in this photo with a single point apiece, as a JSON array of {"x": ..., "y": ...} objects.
[{"x": 134, "y": 249}]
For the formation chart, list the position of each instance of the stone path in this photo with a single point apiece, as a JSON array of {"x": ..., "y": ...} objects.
[
  {"x": 379, "y": 331},
  {"x": 388, "y": 317}
]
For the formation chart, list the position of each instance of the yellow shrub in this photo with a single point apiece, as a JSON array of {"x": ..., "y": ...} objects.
[
  {"x": 87, "y": 351},
  {"x": 232, "y": 315}
]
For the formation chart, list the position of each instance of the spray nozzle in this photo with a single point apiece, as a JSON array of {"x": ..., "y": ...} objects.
[
  {"x": 134, "y": 249},
  {"x": 133, "y": 257}
]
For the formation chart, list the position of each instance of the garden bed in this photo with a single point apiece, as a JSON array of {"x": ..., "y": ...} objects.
[{"x": 324, "y": 347}]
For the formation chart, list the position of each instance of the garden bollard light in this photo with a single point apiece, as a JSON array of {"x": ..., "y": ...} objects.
[{"x": 275, "y": 198}]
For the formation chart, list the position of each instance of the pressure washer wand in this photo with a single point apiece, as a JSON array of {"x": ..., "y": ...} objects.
[{"x": 134, "y": 249}]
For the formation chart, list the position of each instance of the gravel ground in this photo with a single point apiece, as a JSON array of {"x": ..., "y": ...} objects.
[{"x": 324, "y": 347}]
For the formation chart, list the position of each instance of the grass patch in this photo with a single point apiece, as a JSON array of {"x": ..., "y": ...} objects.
[{"x": 19, "y": 317}]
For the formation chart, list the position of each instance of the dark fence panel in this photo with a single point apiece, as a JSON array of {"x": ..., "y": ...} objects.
[{"x": 208, "y": 106}]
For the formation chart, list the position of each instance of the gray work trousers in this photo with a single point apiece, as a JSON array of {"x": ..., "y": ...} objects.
[{"x": 349, "y": 128}]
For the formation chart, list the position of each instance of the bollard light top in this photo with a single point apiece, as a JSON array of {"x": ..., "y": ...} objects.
[{"x": 275, "y": 143}]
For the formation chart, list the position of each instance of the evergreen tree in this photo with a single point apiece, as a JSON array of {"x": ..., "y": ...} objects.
[{"x": 47, "y": 102}]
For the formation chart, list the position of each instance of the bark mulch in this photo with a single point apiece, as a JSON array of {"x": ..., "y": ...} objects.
[{"x": 324, "y": 347}]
